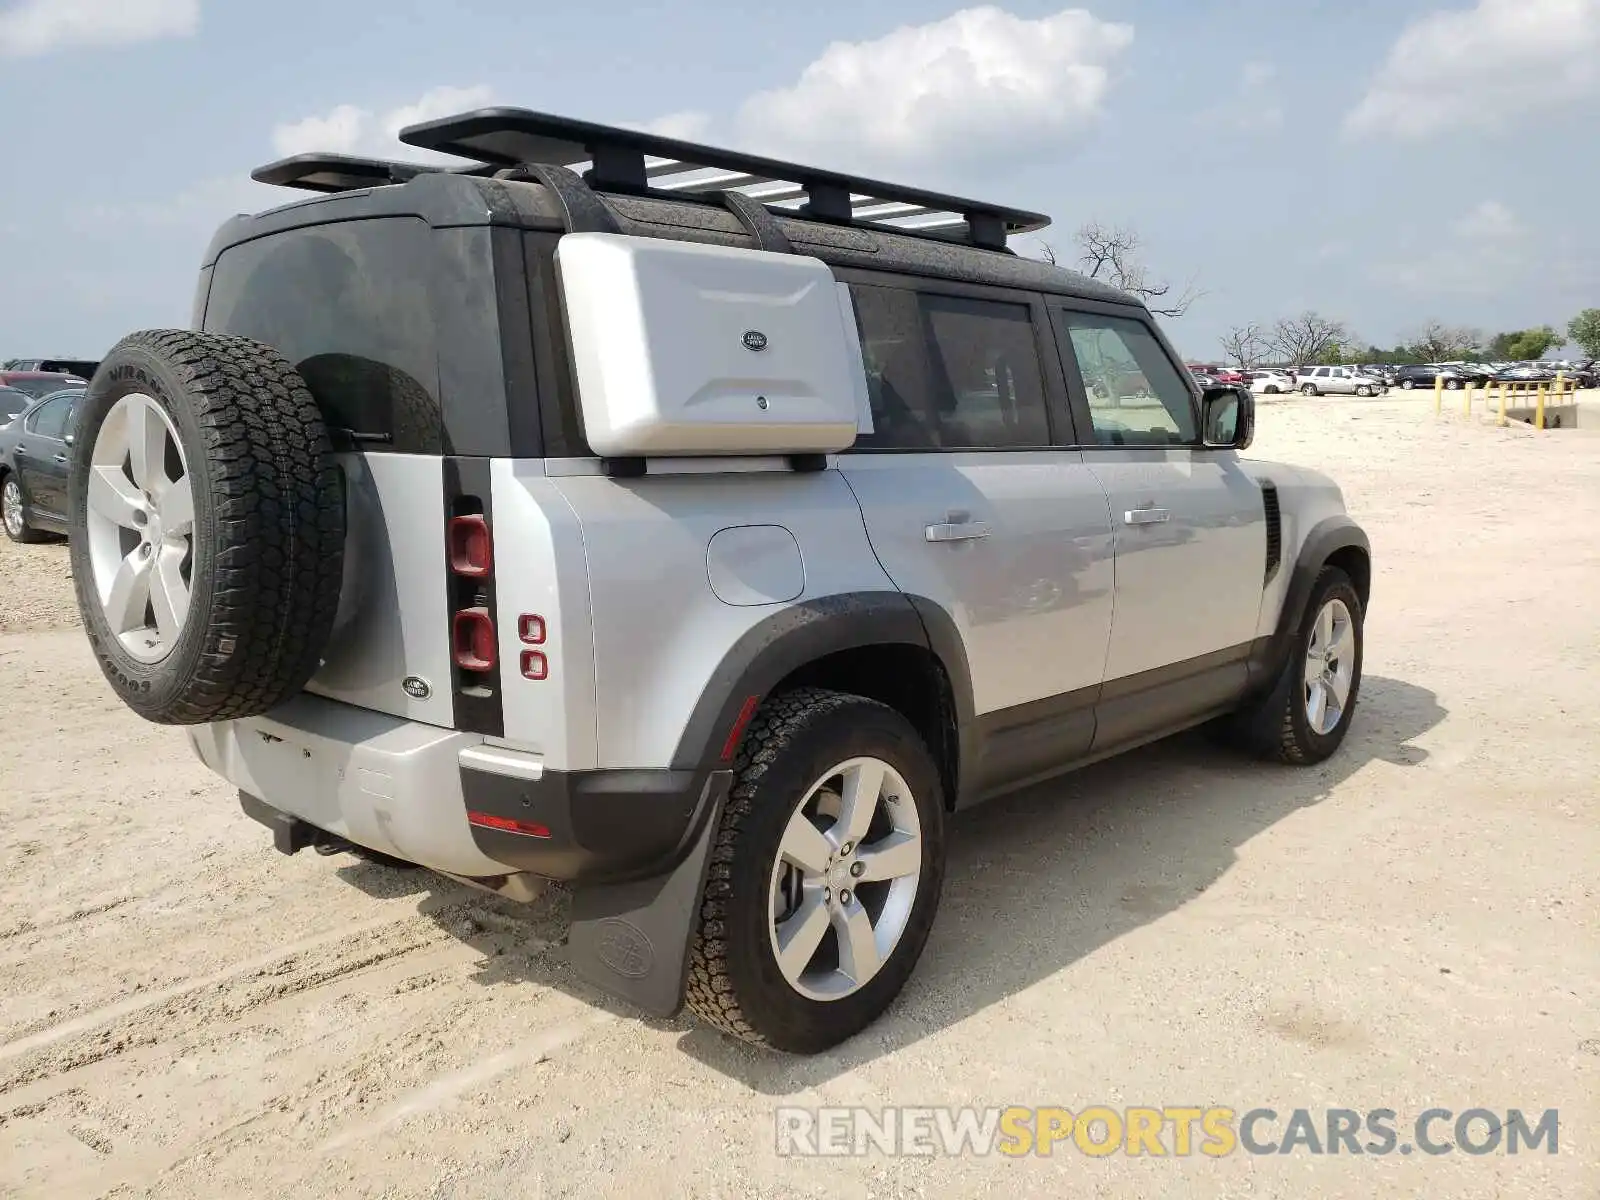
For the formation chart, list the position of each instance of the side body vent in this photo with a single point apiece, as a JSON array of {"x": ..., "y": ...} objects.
[{"x": 1269, "y": 503}]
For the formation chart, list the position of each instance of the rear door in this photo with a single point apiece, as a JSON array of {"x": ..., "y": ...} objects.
[
  {"x": 41, "y": 457},
  {"x": 1190, "y": 525},
  {"x": 973, "y": 499}
]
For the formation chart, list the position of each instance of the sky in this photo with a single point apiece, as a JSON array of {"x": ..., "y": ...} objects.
[{"x": 1384, "y": 162}]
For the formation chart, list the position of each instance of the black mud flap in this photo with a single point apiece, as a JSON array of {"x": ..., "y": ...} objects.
[{"x": 632, "y": 939}]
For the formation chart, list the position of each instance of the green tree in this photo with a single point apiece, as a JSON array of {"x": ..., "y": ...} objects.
[
  {"x": 1524, "y": 344},
  {"x": 1584, "y": 332}
]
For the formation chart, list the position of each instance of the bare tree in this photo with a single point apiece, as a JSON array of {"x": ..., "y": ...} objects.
[
  {"x": 1111, "y": 255},
  {"x": 1436, "y": 341},
  {"x": 1245, "y": 345},
  {"x": 1308, "y": 338}
]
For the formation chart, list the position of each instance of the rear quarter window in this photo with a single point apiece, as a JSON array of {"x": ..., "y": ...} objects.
[{"x": 350, "y": 306}]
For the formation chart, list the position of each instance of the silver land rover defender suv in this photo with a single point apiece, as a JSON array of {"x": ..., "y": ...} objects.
[{"x": 694, "y": 529}]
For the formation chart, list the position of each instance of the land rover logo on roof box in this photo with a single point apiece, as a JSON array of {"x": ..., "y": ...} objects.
[
  {"x": 754, "y": 339},
  {"x": 416, "y": 687}
]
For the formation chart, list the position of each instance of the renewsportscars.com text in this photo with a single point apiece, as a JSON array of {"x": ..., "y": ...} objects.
[{"x": 1160, "y": 1132}]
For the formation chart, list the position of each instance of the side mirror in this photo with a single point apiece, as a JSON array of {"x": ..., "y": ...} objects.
[{"x": 1227, "y": 418}]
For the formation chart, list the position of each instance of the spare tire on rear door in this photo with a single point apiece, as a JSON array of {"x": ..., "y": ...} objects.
[{"x": 207, "y": 526}]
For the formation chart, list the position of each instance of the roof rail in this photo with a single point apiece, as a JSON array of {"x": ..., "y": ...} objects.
[{"x": 611, "y": 158}]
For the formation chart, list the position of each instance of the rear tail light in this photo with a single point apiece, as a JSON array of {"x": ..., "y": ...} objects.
[
  {"x": 473, "y": 639},
  {"x": 531, "y": 631}
]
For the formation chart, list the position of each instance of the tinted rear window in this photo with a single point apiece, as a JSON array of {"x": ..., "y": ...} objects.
[
  {"x": 349, "y": 305},
  {"x": 12, "y": 402},
  {"x": 43, "y": 385}
]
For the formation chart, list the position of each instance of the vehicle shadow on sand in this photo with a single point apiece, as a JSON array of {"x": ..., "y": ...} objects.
[{"x": 1075, "y": 863}]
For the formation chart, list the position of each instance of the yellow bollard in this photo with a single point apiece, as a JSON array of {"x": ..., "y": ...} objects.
[
  {"x": 1502, "y": 418},
  {"x": 1438, "y": 394},
  {"x": 1538, "y": 417},
  {"x": 1466, "y": 397}
]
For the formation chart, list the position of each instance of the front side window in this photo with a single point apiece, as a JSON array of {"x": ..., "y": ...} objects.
[
  {"x": 1136, "y": 396},
  {"x": 950, "y": 372}
]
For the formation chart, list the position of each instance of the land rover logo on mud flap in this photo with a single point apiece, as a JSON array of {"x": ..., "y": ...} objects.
[
  {"x": 416, "y": 687},
  {"x": 754, "y": 339},
  {"x": 623, "y": 947}
]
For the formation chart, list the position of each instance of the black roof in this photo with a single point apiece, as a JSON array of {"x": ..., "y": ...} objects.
[{"x": 614, "y": 159}]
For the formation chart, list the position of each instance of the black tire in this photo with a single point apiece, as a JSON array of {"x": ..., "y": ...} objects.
[
  {"x": 1452, "y": 385},
  {"x": 1363, "y": 391},
  {"x": 1272, "y": 389},
  {"x": 269, "y": 526},
  {"x": 734, "y": 980},
  {"x": 13, "y": 511},
  {"x": 1407, "y": 384},
  {"x": 1276, "y": 726},
  {"x": 1309, "y": 389}
]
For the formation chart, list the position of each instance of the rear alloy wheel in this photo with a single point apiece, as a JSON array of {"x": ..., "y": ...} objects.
[
  {"x": 1363, "y": 391},
  {"x": 13, "y": 516},
  {"x": 1309, "y": 389},
  {"x": 825, "y": 876},
  {"x": 1406, "y": 385}
]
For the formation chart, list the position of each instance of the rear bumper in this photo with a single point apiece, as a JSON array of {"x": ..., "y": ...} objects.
[{"x": 447, "y": 801}]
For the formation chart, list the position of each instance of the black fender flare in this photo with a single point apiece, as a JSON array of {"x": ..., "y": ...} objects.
[
  {"x": 805, "y": 632},
  {"x": 1326, "y": 538}
]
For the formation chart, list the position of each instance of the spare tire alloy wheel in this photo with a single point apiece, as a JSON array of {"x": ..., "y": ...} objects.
[
  {"x": 206, "y": 526},
  {"x": 141, "y": 527}
]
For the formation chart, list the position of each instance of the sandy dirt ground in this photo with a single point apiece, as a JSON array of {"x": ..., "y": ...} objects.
[{"x": 186, "y": 1013}]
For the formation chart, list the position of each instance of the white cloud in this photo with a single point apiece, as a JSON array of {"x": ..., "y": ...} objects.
[
  {"x": 690, "y": 126},
  {"x": 1483, "y": 67},
  {"x": 350, "y": 129},
  {"x": 1487, "y": 251},
  {"x": 1254, "y": 108},
  {"x": 1491, "y": 221},
  {"x": 980, "y": 85},
  {"x": 40, "y": 26}
]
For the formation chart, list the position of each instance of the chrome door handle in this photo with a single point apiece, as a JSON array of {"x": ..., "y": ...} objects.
[
  {"x": 1146, "y": 516},
  {"x": 957, "y": 531}
]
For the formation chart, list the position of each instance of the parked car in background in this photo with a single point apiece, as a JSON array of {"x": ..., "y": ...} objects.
[
  {"x": 1382, "y": 371},
  {"x": 1525, "y": 373},
  {"x": 1424, "y": 375},
  {"x": 1338, "y": 381},
  {"x": 41, "y": 383},
  {"x": 1271, "y": 382},
  {"x": 82, "y": 367},
  {"x": 33, "y": 467}
]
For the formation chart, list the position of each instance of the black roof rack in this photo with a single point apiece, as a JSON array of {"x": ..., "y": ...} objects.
[
  {"x": 616, "y": 159},
  {"x": 610, "y": 158},
  {"x": 345, "y": 173}
]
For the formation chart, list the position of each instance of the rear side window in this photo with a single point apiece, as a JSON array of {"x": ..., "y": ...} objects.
[
  {"x": 12, "y": 402},
  {"x": 349, "y": 305},
  {"x": 50, "y": 418},
  {"x": 949, "y": 373}
]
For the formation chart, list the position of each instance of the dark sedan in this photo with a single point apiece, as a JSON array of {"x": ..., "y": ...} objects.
[{"x": 33, "y": 467}]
